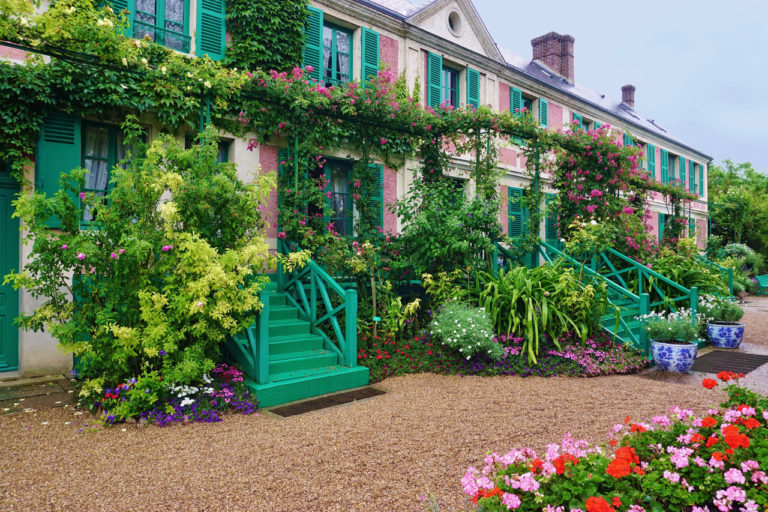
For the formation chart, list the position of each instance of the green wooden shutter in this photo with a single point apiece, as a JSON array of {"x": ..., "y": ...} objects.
[
  {"x": 515, "y": 211},
  {"x": 313, "y": 42},
  {"x": 550, "y": 226},
  {"x": 370, "y": 42},
  {"x": 691, "y": 176},
  {"x": 662, "y": 219},
  {"x": 664, "y": 154},
  {"x": 682, "y": 172},
  {"x": 377, "y": 201},
  {"x": 543, "y": 112},
  {"x": 701, "y": 180},
  {"x": 651, "y": 159},
  {"x": 598, "y": 124},
  {"x": 628, "y": 140},
  {"x": 124, "y": 5},
  {"x": 577, "y": 118},
  {"x": 515, "y": 100},
  {"x": 58, "y": 150},
  {"x": 434, "y": 79},
  {"x": 473, "y": 87},
  {"x": 691, "y": 228},
  {"x": 211, "y": 29}
]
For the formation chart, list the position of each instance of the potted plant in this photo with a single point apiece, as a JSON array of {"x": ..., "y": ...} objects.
[
  {"x": 723, "y": 327},
  {"x": 673, "y": 340}
]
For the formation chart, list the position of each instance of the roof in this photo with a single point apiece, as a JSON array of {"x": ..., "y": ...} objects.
[{"x": 404, "y": 9}]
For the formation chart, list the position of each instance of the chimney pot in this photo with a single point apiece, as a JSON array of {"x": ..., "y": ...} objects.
[
  {"x": 556, "y": 52},
  {"x": 628, "y": 96}
]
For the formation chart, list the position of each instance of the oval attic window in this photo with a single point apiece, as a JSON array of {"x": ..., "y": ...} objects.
[{"x": 454, "y": 23}]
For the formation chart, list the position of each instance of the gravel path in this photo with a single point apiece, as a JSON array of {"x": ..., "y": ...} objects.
[{"x": 380, "y": 454}]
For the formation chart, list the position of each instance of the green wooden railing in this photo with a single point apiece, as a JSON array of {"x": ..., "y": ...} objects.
[
  {"x": 321, "y": 301},
  {"x": 638, "y": 278},
  {"x": 727, "y": 273},
  {"x": 627, "y": 306}
]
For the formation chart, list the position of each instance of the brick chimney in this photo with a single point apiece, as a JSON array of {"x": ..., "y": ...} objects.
[
  {"x": 628, "y": 95},
  {"x": 556, "y": 52}
]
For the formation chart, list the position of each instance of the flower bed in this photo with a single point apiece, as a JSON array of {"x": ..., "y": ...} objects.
[
  {"x": 223, "y": 390},
  {"x": 599, "y": 355},
  {"x": 677, "y": 462}
]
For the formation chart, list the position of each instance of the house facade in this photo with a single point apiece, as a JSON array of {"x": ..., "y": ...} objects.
[{"x": 441, "y": 45}]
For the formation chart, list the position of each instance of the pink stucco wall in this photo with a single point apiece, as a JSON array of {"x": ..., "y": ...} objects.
[
  {"x": 388, "y": 53},
  {"x": 503, "y": 97},
  {"x": 268, "y": 162},
  {"x": 555, "y": 115},
  {"x": 503, "y": 214},
  {"x": 390, "y": 196},
  {"x": 12, "y": 53},
  {"x": 701, "y": 233},
  {"x": 653, "y": 222},
  {"x": 507, "y": 157}
]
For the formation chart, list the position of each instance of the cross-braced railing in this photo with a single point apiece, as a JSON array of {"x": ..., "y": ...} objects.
[
  {"x": 322, "y": 301},
  {"x": 628, "y": 307},
  {"x": 726, "y": 273}
]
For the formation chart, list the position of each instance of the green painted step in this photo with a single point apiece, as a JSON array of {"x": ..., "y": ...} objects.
[
  {"x": 276, "y": 299},
  {"x": 337, "y": 378},
  {"x": 283, "y": 313},
  {"x": 285, "y": 345},
  {"x": 287, "y": 327},
  {"x": 302, "y": 361}
]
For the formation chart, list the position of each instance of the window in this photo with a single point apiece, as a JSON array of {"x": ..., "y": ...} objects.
[
  {"x": 651, "y": 160},
  {"x": 528, "y": 103},
  {"x": 164, "y": 21},
  {"x": 450, "y": 93},
  {"x": 221, "y": 156},
  {"x": 338, "y": 174},
  {"x": 103, "y": 147},
  {"x": 337, "y": 55}
]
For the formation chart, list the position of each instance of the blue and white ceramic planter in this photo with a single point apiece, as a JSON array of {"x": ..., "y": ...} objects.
[
  {"x": 725, "y": 335},
  {"x": 671, "y": 357}
]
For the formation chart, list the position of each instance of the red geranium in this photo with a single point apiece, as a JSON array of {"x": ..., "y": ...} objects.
[
  {"x": 598, "y": 504},
  {"x": 637, "y": 428},
  {"x": 560, "y": 461},
  {"x": 709, "y": 421},
  {"x": 709, "y": 383}
]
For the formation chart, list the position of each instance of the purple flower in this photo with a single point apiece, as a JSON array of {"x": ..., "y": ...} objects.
[
  {"x": 81, "y": 256},
  {"x": 82, "y": 195},
  {"x": 114, "y": 256},
  {"x": 64, "y": 247},
  {"x": 162, "y": 352},
  {"x": 166, "y": 248},
  {"x": 121, "y": 251}
]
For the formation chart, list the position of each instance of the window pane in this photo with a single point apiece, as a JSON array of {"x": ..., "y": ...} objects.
[
  {"x": 340, "y": 204},
  {"x": 328, "y": 37},
  {"x": 97, "y": 142},
  {"x": 145, "y": 19},
  {"x": 174, "y": 11},
  {"x": 343, "y": 68},
  {"x": 327, "y": 63},
  {"x": 98, "y": 172},
  {"x": 342, "y": 42}
]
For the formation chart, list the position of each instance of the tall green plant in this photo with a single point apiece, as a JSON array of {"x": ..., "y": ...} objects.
[{"x": 545, "y": 301}]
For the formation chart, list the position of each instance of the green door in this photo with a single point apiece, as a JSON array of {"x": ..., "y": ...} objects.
[{"x": 9, "y": 261}]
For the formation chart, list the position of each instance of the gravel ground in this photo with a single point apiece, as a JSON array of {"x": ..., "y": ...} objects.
[{"x": 379, "y": 454}]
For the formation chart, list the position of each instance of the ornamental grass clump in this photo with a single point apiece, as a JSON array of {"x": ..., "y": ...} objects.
[
  {"x": 680, "y": 462},
  {"x": 467, "y": 330}
]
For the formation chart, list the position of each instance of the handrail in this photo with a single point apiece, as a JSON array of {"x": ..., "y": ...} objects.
[
  {"x": 319, "y": 282},
  {"x": 648, "y": 271},
  {"x": 642, "y": 300},
  {"x": 726, "y": 272}
]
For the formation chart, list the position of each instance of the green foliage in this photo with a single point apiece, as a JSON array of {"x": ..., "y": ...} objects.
[
  {"x": 684, "y": 269},
  {"x": 719, "y": 309},
  {"x": 738, "y": 200},
  {"x": 466, "y": 329},
  {"x": 444, "y": 287},
  {"x": 160, "y": 280},
  {"x": 541, "y": 303},
  {"x": 443, "y": 230},
  {"x": 669, "y": 326},
  {"x": 266, "y": 34}
]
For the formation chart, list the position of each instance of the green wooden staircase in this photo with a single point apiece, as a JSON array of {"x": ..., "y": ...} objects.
[{"x": 287, "y": 353}]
